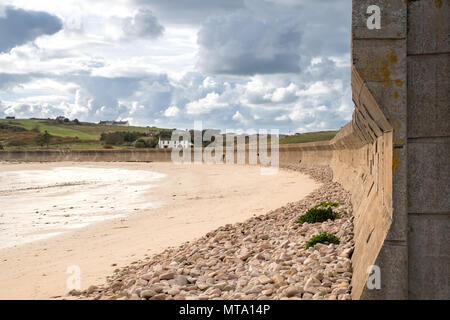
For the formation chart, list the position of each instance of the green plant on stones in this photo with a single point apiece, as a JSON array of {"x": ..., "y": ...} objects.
[
  {"x": 326, "y": 204},
  {"x": 324, "y": 237},
  {"x": 320, "y": 213}
]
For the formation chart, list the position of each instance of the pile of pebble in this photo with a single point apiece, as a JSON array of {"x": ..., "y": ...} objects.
[{"x": 262, "y": 258}]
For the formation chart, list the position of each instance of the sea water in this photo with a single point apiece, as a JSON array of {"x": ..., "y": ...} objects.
[{"x": 38, "y": 204}]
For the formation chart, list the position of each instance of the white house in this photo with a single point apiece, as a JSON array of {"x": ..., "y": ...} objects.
[{"x": 168, "y": 143}]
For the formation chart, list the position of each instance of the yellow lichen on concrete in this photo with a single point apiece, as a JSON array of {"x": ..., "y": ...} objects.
[
  {"x": 395, "y": 161},
  {"x": 398, "y": 82},
  {"x": 377, "y": 70}
]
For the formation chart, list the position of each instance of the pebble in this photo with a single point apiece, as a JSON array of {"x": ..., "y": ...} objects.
[
  {"x": 181, "y": 280},
  {"x": 160, "y": 296},
  {"x": 267, "y": 292},
  {"x": 292, "y": 291},
  {"x": 91, "y": 289},
  {"x": 202, "y": 285},
  {"x": 167, "y": 276},
  {"x": 263, "y": 257},
  {"x": 264, "y": 279},
  {"x": 148, "y": 294}
]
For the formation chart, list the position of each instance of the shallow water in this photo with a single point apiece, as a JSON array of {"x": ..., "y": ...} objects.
[{"x": 38, "y": 204}]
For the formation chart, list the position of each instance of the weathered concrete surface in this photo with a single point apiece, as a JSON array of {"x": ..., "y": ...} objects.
[
  {"x": 405, "y": 66},
  {"x": 130, "y": 155},
  {"x": 380, "y": 61},
  {"x": 428, "y": 166},
  {"x": 393, "y": 156}
]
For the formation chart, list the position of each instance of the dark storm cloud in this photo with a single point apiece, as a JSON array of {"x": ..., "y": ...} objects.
[
  {"x": 19, "y": 26},
  {"x": 144, "y": 24},
  {"x": 269, "y": 37},
  {"x": 250, "y": 37},
  {"x": 9, "y": 80},
  {"x": 242, "y": 44},
  {"x": 328, "y": 25},
  {"x": 190, "y": 11}
]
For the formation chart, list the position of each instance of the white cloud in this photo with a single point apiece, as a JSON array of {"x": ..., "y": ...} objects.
[
  {"x": 206, "y": 105},
  {"x": 287, "y": 94},
  {"x": 142, "y": 24},
  {"x": 316, "y": 89},
  {"x": 209, "y": 83},
  {"x": 239, "y": 117},
  {"x": 172, "y": 111},
  {"x": 129, "y": 67},
  {"x": 282, "y": 118},
  {"x": 45, "y": 85}
]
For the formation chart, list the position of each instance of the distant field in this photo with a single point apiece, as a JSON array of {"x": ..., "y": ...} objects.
[
  {"x": 86, "y": 135},
  {"x": 84, "y": 130},
  {"x": 68, "y": 146},
  {"x": 308, "y": 137}
]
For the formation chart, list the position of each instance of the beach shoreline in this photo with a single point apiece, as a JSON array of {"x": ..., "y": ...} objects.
[
  {"x": 266, "y": 257},
  {"x": 197, "y": 199}
]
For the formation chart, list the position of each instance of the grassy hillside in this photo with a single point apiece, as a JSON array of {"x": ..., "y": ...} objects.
[
  {"x": 23, "y": 133},
  {"x": 308, "y": 137},
  {"x": 84, "y": 130}
]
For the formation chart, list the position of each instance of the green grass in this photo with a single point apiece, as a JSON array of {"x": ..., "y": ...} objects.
[
  {"x": 308, "y": 137},
  {"x": 85, "y": 146},
  {"x": 61, "y": 130},
  {"x": 84, "y": 131},
  {"x": 326, "y": 204},
  {"x": 66, "y": 135},
  {"x": 95, "y": 130},
  {"x": 324, "y": 237},
  {"x": 320, "y": 213},
  {"x": 76, "y": 146},
  {"x": 92, "y": 131},
  {"x": 62, "y": 146}
]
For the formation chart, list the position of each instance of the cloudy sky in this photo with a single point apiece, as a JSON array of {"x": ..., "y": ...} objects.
[{"x": 234, "y": 64}]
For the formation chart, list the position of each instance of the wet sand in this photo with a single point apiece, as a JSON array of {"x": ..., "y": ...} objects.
[
  {"x": 71, "y": 197},
  {"x": 192, "y": 200}
]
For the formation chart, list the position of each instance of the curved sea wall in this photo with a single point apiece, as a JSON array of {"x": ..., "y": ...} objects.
[
  {"x": 98, "y": 155},
  {"x": 393, "y": 156}
]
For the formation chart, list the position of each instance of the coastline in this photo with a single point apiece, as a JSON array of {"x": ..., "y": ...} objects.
[
  {"x": 197, "y": 199},
  {"x": 264, "y": 257}
]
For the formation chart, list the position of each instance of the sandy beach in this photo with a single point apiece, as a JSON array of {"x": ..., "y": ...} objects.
[{"x": 191, "y": 200}]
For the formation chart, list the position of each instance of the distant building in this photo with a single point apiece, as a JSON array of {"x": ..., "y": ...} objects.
[
  {"x": 168, "y": 143},
  {"x": 152, "y": 133},
  {"x": 114, "y": 123},
  {"x": 60, "y": 118}
]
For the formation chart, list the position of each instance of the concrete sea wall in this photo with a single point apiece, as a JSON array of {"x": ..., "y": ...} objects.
[{"x": 393, "y": 156}]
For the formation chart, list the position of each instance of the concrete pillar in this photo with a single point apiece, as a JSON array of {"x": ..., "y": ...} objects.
[
  {"x": 428, "y": 141},
  {"x": 405, "y": 66}
]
